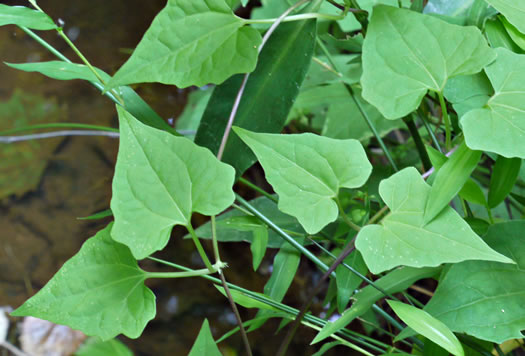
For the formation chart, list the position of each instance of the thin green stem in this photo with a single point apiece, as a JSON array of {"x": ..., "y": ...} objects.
[
  {"x": 377, "y": 215},
  {"x": 35, "y": 5},
  {"x": 420, "y": 146},
  {"x": 214, "y": 240},
  {"x": 200, "y": 249},
  {"x": 192, "y": 273},
  {"x": 446, "y": 119},
  {"x": 298, "y": 17},
  {"x": 431, "y": 133},
  {"x": 58, "y": 125},
  {"x": 258, "y": 190},
  {"x": 346, "y": 219}
]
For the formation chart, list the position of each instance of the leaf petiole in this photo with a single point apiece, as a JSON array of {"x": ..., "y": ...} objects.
[
  {"x": 192, "y": 273},
  {"x": 298, "y": 17},
  {"x": 200, "y": 249},
  {"x": 446, "y": 119}
]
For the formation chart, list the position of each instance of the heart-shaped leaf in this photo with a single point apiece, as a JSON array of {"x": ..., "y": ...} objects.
[
  {"x": 160, "y": 179},
  {"x": 307, "y": 171},
  {"x": 485, "y": 299},
  {"x": 99, "y": 291},
  {"x": 191, "y": 43},
  {"x": 503, "y": 118},
  {"x": 513, "y": 10},
  {"x": 403, "y": 238},
  {"x": 406, "y": 54},
  {"x": 23, "y": 16}
]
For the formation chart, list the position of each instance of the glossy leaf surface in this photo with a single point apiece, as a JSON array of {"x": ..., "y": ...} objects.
[
  {"x": 406, "y": 54},
  {"x": 485, "y": 299},
  {"x": 204, "y": 344},
  {"x": 404, "y": 239},
  {"x": 503, "y": 118},
  {"x": 24, "y": 16},
  {"x": 99, "y": 291},
  {"x": 428, "y": 326},
  {"x": 159, "y": 181},
  {"x": 191, "y": 43},
  {"x": 307, "y": 171},
  {"x": 513, "y": 10},
  {"x": 268, "y": 97}
]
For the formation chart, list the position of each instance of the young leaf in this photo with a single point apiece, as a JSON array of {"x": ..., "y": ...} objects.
[
  {"x": 472, "y": 192},
  {"x": 23, "y": 16},
  {"x": 504, "y": 175},
  {"x": 191, "y": 43},
  {"x": 395, "y": 281},
  {"x": 485, "y": 299},
  {"x": 61, "y": 70},
  {"x": 96, "y": 347},
  {"x": 503, "y": 118},
  {"x": 517, "y": 36},
  {"x": 406, "y": 54},
  {"x": 513, "y": 10},
  {"x": 204, "y": 344},
  {"x": 268, "y": 97},
  {"x": 346, "y": 280},
  {"x": 450, "y": 179},
  {"x": 159, "y": 181},
  {"x": 99, "y": 291},
  {"x": 246, "y": 301},
  {"x": 404, "y": 239},
  {"x": 307, "y": 170},
  {"x": 428, "y": 326},
  {"x": 258, "y": 245}
]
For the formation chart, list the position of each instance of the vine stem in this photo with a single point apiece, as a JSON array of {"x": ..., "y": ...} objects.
[
  {"x": 346, "y": 219},
  {"x": 200, "y": 249},
  {"x": 192, "y": 273},
  {"x": 446, "y": 119},
  {"x": 298, "y": 17}
]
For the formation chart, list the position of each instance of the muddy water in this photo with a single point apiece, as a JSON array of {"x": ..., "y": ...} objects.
[{"x": 39, "y": 230}]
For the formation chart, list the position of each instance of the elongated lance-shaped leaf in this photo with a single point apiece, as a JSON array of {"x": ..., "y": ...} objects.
[
  {"x": 99, "y": 291},
  {"x": 450, "y": 179},
  {"x": 504, "y": 174},
  {"x": 24, "y": 16},
  {"x": 204, "y": 344},
  {"x": 428, "y": 326},
  {"x": 499, "y": 127},
  {"x": 395, "y": 281},
  {"x": 406, "y": 54},
  {"x": 268, "y": 97},
  {"x": 404, "y": 239},
  {"x": 191, "y": 43},
  {"x": 347, "y": 281},
  {"x": 307, "y": 171},
  {"x": 513, "y": 10},
  {"x": 61, "y": 70},
  {"x": 160, "y": 179},
  {"x": 485, "y": 299}
]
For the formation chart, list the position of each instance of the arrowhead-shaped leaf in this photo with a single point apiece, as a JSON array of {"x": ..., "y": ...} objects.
[
  {"x": 160, "y": 179},
  {"x": 307, "y": 170},
  {"x": 191, "y": 43},
  {"x": 513, "y": 10},
  {"x": 503, "y": 118},
  {"x": 99, "y": 291},
  {"x": 403, "y": 238},
  {"x": 23, "y": 16},
  {"x": 485, "y": 299},
  {"x": 406, "y": 54},
  {"x": 204, "y": 344}
]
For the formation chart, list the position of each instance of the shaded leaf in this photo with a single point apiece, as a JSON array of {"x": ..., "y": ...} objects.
[
  {"x": 347, "y": 281},
  {"x": 503, "y": 118},
  {"x": 258, "y": 246},
  {"x": 307, "y": 170},
  {"x": 485, "y": 299},
  {"x": 517, "y": 36},
  {"x": 504, "y": 175},
  {"x": 468, "y": 92},
  {"x": 245, "y": 300},
  {"x": 100, "y": 215},
  {"x": 472, "y": 192},
  {"x": 499, "y": 37},
  {"x": 406, "y": 54},
  {"x": 99, "y": 291},
  {"x": 403, "y": 238},
  {"x": 61, "y": 70},
  {"x": 150, "y": 196},
  {"x": 96, "y": 347},
  {"x": 204, "y": 344},
  {"x": 426, "y": 325},
  {"x": 513, "y": 10},
  {"x": 191, "y": 43},
  {"x": 280, "y": 71},
  {"x": 190, "y": 118},
  {"x": 24, "y": 16}
]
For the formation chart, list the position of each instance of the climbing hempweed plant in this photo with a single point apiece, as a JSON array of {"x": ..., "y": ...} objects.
[{"x": 348, "y": 73}]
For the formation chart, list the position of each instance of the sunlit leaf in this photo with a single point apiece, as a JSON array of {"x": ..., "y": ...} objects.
[
  {"x": 428, "y": 326},
  {"x": 307, "y": 171},
  {"x": 23, "y": 16},
  {"x": 403, "y": 238},
  {"x": 499, "y": 37},
  {"x": 99, "y": 291},
  {"x": 97, "y": 347},
  {"x": 191, "y": 43},
  {"x": 407, "y": 54},
  {"x": 204, "y": 344},
  {"x": 513, "y": 10},
  {"x": 503, "y": 118},
  {"x": 517, "y": 36},
  {"x": 159, "y": 181},
  {"x": 485, "y": 299}
]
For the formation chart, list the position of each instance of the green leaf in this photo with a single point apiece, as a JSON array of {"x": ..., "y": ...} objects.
[
  {"x": 406, "y": 54},
  {"x": 517, "y": 36},
  {"x": 258, "y": 245},
  {"x": 428, "y": 326},
  {"x": 100, "y": 215},
  {"x": 513, "y": 10},
  {"x": 327, "y": 347},
  {"x": 191, "y": 43},
  {"x": 23, "y": 16},
  {"x": 468, "y": 92},
  {"x": 504, "y": 175},
  {"x": 204, "y": 344},
  {"x": 472, "y": 192},
  {"x": 395, "y": 281},
  {"x": 61, "y": 70},
  {"x": 245, "y": 300},
  {"x": 282, "y": 66},
  {"x": 151, "y": 196},
  {"x": 190, "y": 118},
  {"x": 499, "y": 37},
  {"x": 403, "y": 238},
  {"x": 347, "y": 281},
  {"x": 503, "y": 118},
  {"x": 97, "y": 347},
  {"x": 450, "y": 179},
  {"x": 485, "y": 299},
  {"x": 307, "y": 170},
  {"x": 99, "y": 291}
]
